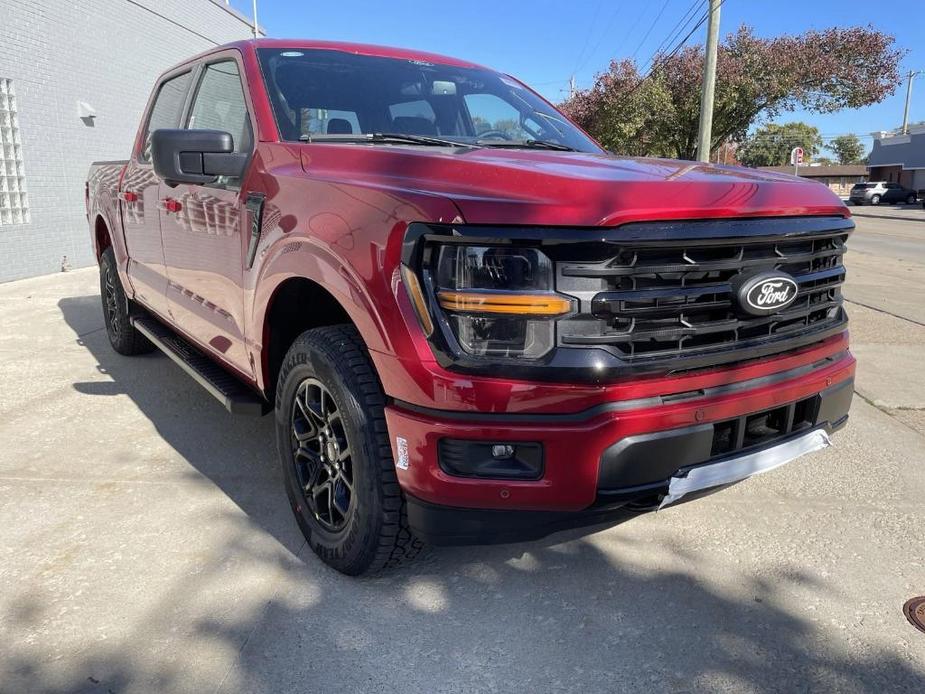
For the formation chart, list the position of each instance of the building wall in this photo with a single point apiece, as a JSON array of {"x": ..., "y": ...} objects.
[
  {"x": 840, "y": 185},
  {"x": 107, "y": 54},
  {"x": 907, "y": 150},
  {"x": 918, "y": 181},
  {"x": 893, "y": 174}
]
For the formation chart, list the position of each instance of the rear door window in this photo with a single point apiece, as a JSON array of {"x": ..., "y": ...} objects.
[{"x": 167, "y": 109}]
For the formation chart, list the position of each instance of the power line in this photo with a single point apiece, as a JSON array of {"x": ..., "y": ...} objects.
[
  {"x": 677, "y": 29},
  {"x": 651, "y": 27},
  {"x": 605, "y": 32},
  {"x": 669, "y": 55},
  {"x": 584, "y": 47}
]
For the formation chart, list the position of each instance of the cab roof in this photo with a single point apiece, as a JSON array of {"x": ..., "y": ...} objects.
[{"x": 345, "y": 47}]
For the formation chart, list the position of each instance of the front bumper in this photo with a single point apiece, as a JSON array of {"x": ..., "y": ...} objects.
[{"x": 597, "y": 461}]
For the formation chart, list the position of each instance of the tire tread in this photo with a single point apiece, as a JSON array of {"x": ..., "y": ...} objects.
[{"x": 343, "y": 344}]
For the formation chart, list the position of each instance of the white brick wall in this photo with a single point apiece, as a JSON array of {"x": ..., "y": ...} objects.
[{"x": 106, "y": 53}]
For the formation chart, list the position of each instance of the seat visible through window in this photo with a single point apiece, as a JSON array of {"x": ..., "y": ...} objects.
[
  {"x": 414, "y": 125},
  {"x": 339, "y": 126}
]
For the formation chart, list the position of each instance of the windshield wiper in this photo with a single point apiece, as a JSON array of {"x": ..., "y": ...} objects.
[
  {"x": 526, "y": 144},
  {"x": 386, "y": 137}
]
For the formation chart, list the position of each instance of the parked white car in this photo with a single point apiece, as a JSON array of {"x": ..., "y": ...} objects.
[{"x": 875, "y": 192}]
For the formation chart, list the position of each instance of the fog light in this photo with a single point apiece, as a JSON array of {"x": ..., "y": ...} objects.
[
  {"x": 519, "y": 460},
  {"x": 501, "y": 450}
]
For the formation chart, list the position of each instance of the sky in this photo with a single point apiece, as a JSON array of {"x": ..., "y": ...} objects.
[{"x": 544, "y": 42}]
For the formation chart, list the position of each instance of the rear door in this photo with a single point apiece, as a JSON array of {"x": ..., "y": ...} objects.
[
  {"x": 203, "y": 225},
  {"x": 893, "y": 192},
  {"x": 139, "y": 196}
]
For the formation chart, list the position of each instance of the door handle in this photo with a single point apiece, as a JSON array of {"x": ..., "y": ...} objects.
[
  {"x": 171, "y": 205},
  {"x": 128, "y": 196}
]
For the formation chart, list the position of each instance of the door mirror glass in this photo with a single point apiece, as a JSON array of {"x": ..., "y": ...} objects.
[{"x": 195, "y": 156}]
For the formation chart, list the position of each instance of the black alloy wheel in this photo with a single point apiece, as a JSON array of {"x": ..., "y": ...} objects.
[
  {"x": 321, "y": 456},
  {"x": 123, "y": 336},
  {"x": 336, "y": 457},
  {"x": 111, "y": 303}
]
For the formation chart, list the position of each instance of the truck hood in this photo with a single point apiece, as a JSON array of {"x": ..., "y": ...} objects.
[{"x": 516, "y": 186}]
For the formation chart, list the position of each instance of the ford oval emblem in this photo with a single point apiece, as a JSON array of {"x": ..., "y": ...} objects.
[{"x": 766, "y": 293}]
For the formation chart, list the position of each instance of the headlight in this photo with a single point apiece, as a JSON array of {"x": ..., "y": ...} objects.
[{"x": 499, "y": 301}]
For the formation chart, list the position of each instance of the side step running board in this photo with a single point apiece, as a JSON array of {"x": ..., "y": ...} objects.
[{"x": 234, "y": 395}]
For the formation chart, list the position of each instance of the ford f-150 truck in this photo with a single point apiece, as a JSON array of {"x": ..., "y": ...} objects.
[{"x": 471, "y": 322}]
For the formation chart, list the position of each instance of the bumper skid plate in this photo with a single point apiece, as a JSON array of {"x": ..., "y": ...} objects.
[{"x": 741, "y": 467}]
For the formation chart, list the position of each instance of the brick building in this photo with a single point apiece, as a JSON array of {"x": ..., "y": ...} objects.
[
  {"x": 74, "y": 79},
  {"x": 837, "y": 177}
]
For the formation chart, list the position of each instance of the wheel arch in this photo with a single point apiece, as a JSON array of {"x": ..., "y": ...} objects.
[
  {"x": 102, "y": 236},
  {"x": 286, "y": 317}
]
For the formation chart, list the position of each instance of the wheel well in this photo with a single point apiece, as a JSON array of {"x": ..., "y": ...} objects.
[
  {"x": 102, "y": 237},
  {"x": 298, "y": 305}
]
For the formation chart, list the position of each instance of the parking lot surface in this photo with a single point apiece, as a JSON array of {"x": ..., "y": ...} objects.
[{"x": 146, "y": 545}]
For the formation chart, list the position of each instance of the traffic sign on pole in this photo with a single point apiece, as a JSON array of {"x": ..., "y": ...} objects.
[{"x": 796, "y": 158}]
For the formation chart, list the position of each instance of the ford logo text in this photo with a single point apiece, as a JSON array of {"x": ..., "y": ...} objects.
[{"x": 766, "y": 293}]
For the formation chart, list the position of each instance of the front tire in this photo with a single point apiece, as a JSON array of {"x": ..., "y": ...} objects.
[
  {"x": 875, "y": 200},
  {"x": 123, "y": 336},
  {"x": 336, "y": 456}
]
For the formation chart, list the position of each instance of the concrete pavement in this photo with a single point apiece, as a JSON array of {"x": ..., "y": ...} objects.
[{"x": 145, "y": 545}]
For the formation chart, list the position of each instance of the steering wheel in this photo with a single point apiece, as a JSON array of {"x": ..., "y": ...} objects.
[{"x": 493, "y": 135}]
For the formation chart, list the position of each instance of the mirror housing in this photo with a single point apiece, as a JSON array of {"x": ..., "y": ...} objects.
[{"x": 194, "y": 156}]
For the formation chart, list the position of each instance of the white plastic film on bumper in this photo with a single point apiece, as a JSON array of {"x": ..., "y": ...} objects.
[{"x": 736, "y": 469}]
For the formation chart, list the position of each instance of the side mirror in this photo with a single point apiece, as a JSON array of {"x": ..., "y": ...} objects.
[{"x": 195, "y": 156}]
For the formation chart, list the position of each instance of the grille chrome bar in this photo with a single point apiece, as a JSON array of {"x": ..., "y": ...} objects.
[{"x": 675, "y": 296}]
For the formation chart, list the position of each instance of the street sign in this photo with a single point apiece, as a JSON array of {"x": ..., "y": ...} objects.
[{"x": 796, "y": 156}]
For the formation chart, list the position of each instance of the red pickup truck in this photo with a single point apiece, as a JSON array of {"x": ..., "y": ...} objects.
[{"x": 473, "y": 324}]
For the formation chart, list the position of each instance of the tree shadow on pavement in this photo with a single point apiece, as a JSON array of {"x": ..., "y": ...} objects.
[{"x": 570, "y": 613}]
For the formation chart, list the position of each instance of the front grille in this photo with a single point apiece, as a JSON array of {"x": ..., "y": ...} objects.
[{"x": 659, "y": 300}]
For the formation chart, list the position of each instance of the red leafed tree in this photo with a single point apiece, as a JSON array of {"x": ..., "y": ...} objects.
[{"x": 657, "y": 114}]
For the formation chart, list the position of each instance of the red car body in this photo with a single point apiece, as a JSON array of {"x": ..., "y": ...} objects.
[{"x": 338, "y": 215}]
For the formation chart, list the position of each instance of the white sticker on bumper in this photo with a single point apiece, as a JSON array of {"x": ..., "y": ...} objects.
[
  {"x": 401, "y": 462},
  {"x": 742, "y": 467}
]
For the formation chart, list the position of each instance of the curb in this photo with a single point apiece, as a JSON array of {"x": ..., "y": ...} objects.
[{"x": 888, "y": 216}]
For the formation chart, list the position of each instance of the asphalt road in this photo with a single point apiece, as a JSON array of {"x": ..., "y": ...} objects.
[{"x": 145, "y": 544}]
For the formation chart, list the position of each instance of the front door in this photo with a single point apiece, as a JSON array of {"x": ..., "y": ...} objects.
[
  {"x": 140, "y": 198},
  {"x": 202, "y": 227}
]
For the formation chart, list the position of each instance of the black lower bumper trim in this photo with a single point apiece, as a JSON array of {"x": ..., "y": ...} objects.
[{"x": 447, "y": 525}]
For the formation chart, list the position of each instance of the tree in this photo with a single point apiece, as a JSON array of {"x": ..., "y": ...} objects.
[
  {"x": 848, "y": 149},
  {"x": 658, "y": 113},
  {"x": 771, "y": 144}
]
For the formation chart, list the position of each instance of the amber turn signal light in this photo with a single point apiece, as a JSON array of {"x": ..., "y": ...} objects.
[
  {"x": 511, "y": 304},
  {"x": 413, "y": 285}
]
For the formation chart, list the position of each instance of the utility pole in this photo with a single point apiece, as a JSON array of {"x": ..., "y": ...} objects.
[
  {"x": 571, "y": 86},
  {"x": 709, "y": 84},
  {"x": 255, "y": 19},
  {"x": 910, "y": 77}
]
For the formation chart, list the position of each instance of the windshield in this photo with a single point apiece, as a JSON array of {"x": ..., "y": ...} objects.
[{"x": 319, "y": 94}]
